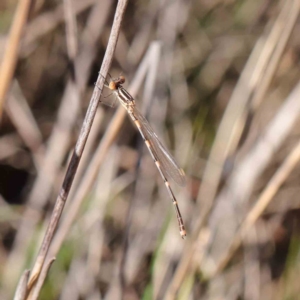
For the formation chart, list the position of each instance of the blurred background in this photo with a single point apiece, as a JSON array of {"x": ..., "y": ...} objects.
[{"x": 219, "y": 83}]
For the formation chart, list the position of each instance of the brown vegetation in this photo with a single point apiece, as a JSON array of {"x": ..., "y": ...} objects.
[{"x": 219, "y": 83}]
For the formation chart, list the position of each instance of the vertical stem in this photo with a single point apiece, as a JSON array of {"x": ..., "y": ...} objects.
[{"x": 87, "y": 124}]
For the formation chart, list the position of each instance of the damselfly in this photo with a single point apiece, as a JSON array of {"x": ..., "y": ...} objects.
[{"x": 163, "y": 160}]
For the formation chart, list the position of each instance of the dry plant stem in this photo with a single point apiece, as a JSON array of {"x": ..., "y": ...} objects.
[
  {"x": 9, "y": 145},
  {"x": 74, "y": 282},
  {"x": 171, "y": 18},
  {"x": 228, "y": 136},
  {"x": 241, "y": 183},
  {"x": 96, "y": 162},
  {"x": 114, "y": 291},
  {"x": 97, "y": 210},
  {"x": 91, "y": 223},
  {"x": 261, "y": 154},
  {"x": 154, "y": 57},
  {"x": 58, "y": 143},
  {"x": 22, "y": 286},
  {"x": 46, "y": 22},
  {"x": 252, "y": 278},
  {"x": 22, "y": 117},
  {"x": 11, "y": 51},
  {"x": 71, "y": 30},
  {"x": 42, "y": 279},
  {"x": 87, "y": 154},
  {"x": 199, "y": 253},
  {"x": 263, "y": 201},
  {"x": 284, "y": 29},
  {"x": 140, "y": 41},
  {"x": 62, "y": 197},
  {"x": 75, "y": 89},
  {"x": 212, "y": 173},
  {"x": 183, "y": 268},
  {"x": 88, "y": 179}
]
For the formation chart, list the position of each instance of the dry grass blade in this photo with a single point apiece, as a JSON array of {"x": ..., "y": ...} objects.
[
  {"x": 251, "y": 86},
  {"x": 22, "y": 286},
  {"x": 9, "y": 60},
  {"x": 233, "y": 121},
  {"x": 20, "y": 114},
  {"x": 10, "y": 145},
  {"x": 279, "y": 36},
  {"x": 46, "y": 22},
  {"x": 71, "y": 30},
  {"x": 42, "y": 278},
  {"x": 88, "y": 179},
  {"x": 218, "y": 81},
  {"x": 63, "y": 195},
  {"x": 58, "y": 142},
  {"x": 262, "y": 202},
  {"x": 241, "y": 183}
]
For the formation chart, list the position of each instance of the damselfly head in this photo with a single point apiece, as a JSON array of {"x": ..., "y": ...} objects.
[
  {"x": 116, "y": 83},
  {"x": 121, "y": 79}
]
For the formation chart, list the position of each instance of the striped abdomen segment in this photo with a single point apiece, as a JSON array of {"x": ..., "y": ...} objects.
[{"x": 159, "y": 167}]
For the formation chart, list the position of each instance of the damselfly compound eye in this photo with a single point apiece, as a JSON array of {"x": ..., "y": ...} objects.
[{"x": 121, "y": 79}]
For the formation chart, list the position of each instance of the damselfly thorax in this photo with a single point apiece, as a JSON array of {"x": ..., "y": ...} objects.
[{"x": 124, "y": 97}]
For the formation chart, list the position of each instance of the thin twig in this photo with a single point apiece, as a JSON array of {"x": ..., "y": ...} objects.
[
  {"x": 86, "y": 157},
  {"x": 42, "y": 279},
  {"x": 22, "y": 286},
  {"x": 97, "y": 160},
  {"x": 72, "y": 48},
  {"x": 11, "y": 51},
  {"x": 71, "y": 29},
  {"x": 63, "y": 195}
]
